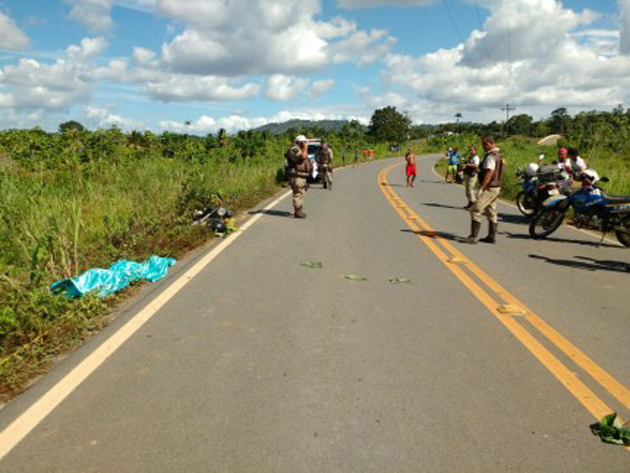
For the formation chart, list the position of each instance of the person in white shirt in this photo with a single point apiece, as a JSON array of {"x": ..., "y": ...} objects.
[
  {"x": 578, "y": 165},
  {"x": 471, "y": 169}
]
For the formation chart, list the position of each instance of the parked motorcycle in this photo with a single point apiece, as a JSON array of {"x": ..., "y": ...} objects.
[
  {"x": 538, "y": 184},
  {"x": 214, "y": 216},
  {"x": 592, "y": 207}
]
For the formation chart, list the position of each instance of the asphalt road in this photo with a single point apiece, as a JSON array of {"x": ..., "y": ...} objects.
[{"x": 261, "y": 364}]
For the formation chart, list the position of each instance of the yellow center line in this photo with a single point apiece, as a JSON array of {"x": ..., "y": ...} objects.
[
  {"x": 618, "y": 390},
  {"x": 450, "y": 256}
]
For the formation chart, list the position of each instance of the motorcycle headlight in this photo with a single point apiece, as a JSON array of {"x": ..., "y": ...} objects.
[{"x": 221, "y": 212}]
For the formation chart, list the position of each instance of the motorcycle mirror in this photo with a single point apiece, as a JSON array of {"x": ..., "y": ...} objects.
[{"x": 604, "y": 179}]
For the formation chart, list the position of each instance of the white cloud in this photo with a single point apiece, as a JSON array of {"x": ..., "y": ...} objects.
[
  {"x": 320, "y": 87},
  {"x": 11, "y": 37},
  {"x": 522, "y": 29},
  {"x": 183, "y": 88},
  {"x": 35, "y": 85},
  {"x": 174, "y": 87},
  {"x": 95, "y": 15},
  {"x": 262, "y": 37},
  {"x": 103, "y": 117},
  {"x": 555, "y": 62},
  {"x": 281, "y": 87},
  {"x": 383, "y": 3},
  {"x": 363, "y": 48}
]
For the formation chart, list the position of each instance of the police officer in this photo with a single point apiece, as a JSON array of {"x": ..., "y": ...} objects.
[
  {"x": 298, "y": 169},
  {"x": 470, "y": 176},
  {"x": 324, "y": 165},
  {"x": 491, "y": 175}
]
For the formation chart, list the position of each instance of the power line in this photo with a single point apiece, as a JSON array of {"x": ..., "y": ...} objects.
[
  {"x": 450, "y": 14},
  {"x": 481, "y": 29}
]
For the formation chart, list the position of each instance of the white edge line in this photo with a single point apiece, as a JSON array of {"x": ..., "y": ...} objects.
[
  {"x": 581, "y": 230},
  {"x": 29, "y": 419}
]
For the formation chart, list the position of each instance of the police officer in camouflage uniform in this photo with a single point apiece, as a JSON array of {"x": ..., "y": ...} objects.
[
  {"x": 324, "y": 165},
  {"x": 490, "y": 178},
  {"x": 298, "y": 168}
]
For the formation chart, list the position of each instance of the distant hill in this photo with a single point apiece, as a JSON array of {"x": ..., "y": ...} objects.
[{"x": 280, "y": 128}]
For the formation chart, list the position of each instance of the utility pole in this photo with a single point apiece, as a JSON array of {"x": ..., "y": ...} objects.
[{"x": 508, "y": 108}]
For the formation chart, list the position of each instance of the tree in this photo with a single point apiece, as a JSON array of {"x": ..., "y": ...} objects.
[
  {"x": 388, "y": 124},
  {"x": 222, "y": 137},
  {"x": 71, "y": 125},
  {"x": 559, "y": 119},
  {"x": 520, "y": 124}
]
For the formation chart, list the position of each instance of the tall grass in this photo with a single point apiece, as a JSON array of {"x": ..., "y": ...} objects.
[
  {"x": 70, "y": 203},
  {"x": 58, "y": 222}
]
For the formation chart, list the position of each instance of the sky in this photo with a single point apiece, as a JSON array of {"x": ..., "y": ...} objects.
[{"x": 198, "y": 66}]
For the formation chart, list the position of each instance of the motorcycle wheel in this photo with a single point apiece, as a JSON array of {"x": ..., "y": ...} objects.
[
  {"x": 546, "y": 222},
  {"x": 525, "y": 204},
  {"x": 624, "y": 236}
]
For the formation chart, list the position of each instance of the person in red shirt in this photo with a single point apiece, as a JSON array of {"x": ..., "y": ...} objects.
[
  {"x": 410, "y": 170},
  {"x": 371, "y": 153},
  {"x": 364, "y": 155}
]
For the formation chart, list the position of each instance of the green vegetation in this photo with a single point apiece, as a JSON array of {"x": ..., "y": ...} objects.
[{"x": 77, "y": 199}]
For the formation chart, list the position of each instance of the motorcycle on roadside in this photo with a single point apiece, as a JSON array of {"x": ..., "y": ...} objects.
[
  {"x": 215, "y": 216},
  {"x": 592, "y": 207},
  {"x": 538, "y": 183}
]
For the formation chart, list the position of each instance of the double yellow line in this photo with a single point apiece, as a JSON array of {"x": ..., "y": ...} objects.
[{"x": 510, "y": 311}]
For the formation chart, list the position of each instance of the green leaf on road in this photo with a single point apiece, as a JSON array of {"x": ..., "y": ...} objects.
[
  {"x": 355, "y": 277},
  {"x": 610, "y": 431},
  {"x": 400, "y": 281},
  {"x": 312, "y": 264}
]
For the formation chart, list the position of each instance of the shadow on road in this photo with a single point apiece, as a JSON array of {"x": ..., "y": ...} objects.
[
  {"x": 273, "y": 213},
  {"x": 434, "y": 234},
  {"x": 442, "y": 206},
  {"x": 521, "y": 236},
  {"x": 514, "y": 218},
  {"x": 588, "y": 264}
]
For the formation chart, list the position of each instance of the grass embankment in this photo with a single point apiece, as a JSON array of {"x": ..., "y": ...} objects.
[
  {"x": 519, "y": 152},
  {"x": 63, "y": 210}
]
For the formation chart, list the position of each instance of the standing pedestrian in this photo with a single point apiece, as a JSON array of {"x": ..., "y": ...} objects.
[
  {"x": 364, "y": 154},
  {"x": 470, "y": 176},
  {"x": 343, "y": 157},
  {"x": 324, "y": 165},
  {"x": 410, "y": 170},
  {"x": 453, "y": 161},
  {"x": 299, "y": 168},
  {"x": 491, "y": 175},
  {"x": 356, "y": 157},
  {"x": 371, "y": 154}
]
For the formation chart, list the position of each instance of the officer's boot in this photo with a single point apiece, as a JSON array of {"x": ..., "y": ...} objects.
[
  {"x": 299, "y": 213},
  {"x": 474, "y": 233},
  {"x": 492, "y": 233}
]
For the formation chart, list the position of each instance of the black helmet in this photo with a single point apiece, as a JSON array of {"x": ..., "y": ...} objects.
[{"x": 218, "y": 227}]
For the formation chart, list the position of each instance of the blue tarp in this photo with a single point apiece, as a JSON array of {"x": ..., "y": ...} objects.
[{"x": 119, "y": 275}]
